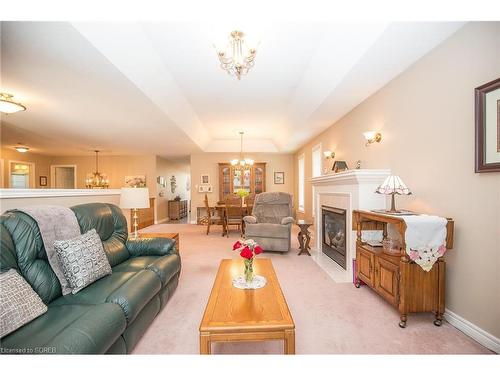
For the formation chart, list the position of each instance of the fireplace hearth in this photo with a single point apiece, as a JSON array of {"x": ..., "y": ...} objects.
[{"x": 333, "y": 221}]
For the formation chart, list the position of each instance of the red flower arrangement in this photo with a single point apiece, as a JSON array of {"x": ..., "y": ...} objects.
[{"x": 248, "y": 250}]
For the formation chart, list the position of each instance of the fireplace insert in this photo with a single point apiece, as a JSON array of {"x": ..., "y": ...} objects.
[{"x": 333, "y": 221}]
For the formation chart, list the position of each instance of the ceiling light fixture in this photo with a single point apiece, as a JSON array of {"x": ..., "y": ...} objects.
[
  {"x": 242, "y": 163},
  {"x": 96, "y": 180},
  {"x": 236, "y": 61},
  {"x": 21, "y": 148},
  {"x": 7, "y": 105}
]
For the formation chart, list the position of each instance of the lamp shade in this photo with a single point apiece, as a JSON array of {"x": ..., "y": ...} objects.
[
  {"x": 134, "y": 198},
  {"x": 393, "y": 185}
]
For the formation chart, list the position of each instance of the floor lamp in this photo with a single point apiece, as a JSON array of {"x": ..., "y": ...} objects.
[{"x": 134, "y": 198}]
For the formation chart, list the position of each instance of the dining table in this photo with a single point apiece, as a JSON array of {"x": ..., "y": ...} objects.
[{"x": 220, "y": 208}]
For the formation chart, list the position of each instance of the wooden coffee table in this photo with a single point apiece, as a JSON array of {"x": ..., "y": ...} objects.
[{"x": 246, "y": 315}]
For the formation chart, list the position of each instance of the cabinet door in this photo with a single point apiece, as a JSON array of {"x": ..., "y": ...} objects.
[
  {"x": 225, "y": 174},
  {"x": 259, "y": 177},
  {"x": 365, "y": 266},
  {"x": 387, "y": 280}
]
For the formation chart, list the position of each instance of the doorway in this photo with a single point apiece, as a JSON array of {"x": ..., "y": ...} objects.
[
  {"x": 21, "y": 175},
  {"x": 63, "y": 176}
]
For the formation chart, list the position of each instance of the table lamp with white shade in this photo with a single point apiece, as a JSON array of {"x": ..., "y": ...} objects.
[
  {"x": 393, "y": 185},
  {"x": 134, "y": 198}
]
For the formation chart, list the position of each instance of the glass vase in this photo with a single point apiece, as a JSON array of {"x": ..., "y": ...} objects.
[{"x": 248, "y": 270}]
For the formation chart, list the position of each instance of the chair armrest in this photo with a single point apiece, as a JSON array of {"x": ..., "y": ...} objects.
[
  {"x": 250, "y": 219},
  {"x": 151, "y": 246},
  {"x": 287, "y": 220}
]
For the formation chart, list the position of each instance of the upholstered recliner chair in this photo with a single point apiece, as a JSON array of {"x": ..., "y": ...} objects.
[{"x": 271, "y": 222}]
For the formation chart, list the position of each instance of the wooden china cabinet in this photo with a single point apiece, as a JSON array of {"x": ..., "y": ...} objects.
[{"x": 231, "y": 179}]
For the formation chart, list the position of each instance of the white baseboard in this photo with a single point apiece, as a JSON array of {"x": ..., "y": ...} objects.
[
  {"x": 481, "y": 336},
  {"x": 193, "y": 222}
]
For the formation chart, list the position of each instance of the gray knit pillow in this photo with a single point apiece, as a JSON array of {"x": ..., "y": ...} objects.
[
  {"x": 83, "y": 260},
  {"x": 19, "y": 303}
]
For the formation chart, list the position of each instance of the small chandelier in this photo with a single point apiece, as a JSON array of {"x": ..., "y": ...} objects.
[
  {"x": 96, "y": 180},
  {"x": 237, "y": 62},
  {"x": 242, "y": 163},
  {"x": 7, "y": 105}
]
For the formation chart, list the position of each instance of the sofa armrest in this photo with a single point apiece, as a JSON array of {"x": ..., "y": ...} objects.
[
  {"x": 151, "y": 246},
  {"x": 287, "y": 220},
  {"x": 250, "y": 220}
]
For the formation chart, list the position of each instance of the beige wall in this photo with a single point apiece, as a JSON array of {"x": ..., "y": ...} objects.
[
  {"x": 167, "y": 169},
  {"x": 426, "y": 117},
  {"x": 42, "y": 165},
  {"x": 115, "y": 167},
  {"x": 207, "y": 163}
]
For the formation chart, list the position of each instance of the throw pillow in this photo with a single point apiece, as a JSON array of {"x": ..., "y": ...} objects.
[
  {"x": 83, "y": 260},
  {"x": 19, "y": 303}
]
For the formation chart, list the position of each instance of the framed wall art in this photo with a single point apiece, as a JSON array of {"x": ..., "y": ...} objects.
[
  {"x": 279, "y": 178},
  {"x": 43, "y": 180},
  {"x": 487, "y": 103},
  {"x": 135, "y": 181},
  {"x": 205, "y": 179}
]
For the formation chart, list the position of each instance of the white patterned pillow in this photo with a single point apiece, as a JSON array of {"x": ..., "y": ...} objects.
[
  {"x": 19, "y": 303},
  {"x": 83, "y": 260}
]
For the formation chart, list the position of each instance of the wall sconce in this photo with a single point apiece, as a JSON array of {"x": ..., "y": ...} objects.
[
  {"x": 329, "y": 154},
  {"x": 372, "y": 137}
]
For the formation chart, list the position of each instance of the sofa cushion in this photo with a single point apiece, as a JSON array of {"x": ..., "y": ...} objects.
[
  {"x": 82, "y": 260},
  {"x": 19, "y": 304},
  {"x": 135, "y": 264},
  {"x": 136, "y": 293},
  {"x": 267, "y": 230},
  {"x": 111, "y": 226},
  {"x": 83, "y": 329},
  {"x": 31, "y": 257},
  {"x": 129, "y": 290},
  {"x": 8, "y": 251},
  {"x": 165, "y": 267},
  {"x": 98, "y": 291}
]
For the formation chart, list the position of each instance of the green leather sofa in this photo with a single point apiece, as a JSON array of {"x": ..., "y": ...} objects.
[{"x": 108, "y": 316}]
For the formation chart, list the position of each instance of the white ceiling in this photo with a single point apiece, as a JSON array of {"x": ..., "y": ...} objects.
[{"x": 157, "y": 87}]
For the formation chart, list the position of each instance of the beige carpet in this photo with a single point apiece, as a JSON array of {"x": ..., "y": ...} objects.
[{"x": 330, "y": 318}]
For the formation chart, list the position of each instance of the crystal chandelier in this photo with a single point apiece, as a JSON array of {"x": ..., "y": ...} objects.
[
  {"x": 96, "y": 180},
  {"x": 242, "y": 163},
  {"x": 236, "y": 61}
]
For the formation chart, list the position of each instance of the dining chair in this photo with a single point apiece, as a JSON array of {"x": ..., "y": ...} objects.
[
  {"x": 233, "y": 213},
  {"x": 213, "y": 217}
]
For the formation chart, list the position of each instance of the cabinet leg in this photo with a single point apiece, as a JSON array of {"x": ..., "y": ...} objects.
[
  {"x": 358, "y": 283},
  {"x": 402, "y": 322}
]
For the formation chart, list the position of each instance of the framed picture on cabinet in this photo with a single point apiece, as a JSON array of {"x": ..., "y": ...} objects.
[
  {"x": 205, "y": 179},
  {"x": 279, "y": 178},
  {"x": 487, "y": 103}
]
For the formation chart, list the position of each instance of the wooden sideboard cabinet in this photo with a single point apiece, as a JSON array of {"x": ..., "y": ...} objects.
[
  {"x": 396, "y": 278},
  {"x": 177, "y": 209}
]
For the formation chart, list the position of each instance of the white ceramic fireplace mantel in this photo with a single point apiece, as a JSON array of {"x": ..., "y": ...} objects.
[{"x": 349, "y": 190}]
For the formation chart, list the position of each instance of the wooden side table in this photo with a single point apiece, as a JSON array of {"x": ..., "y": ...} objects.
[
  {"x": 304, "y": 236},
  {"x": 174, "y": 236}
]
